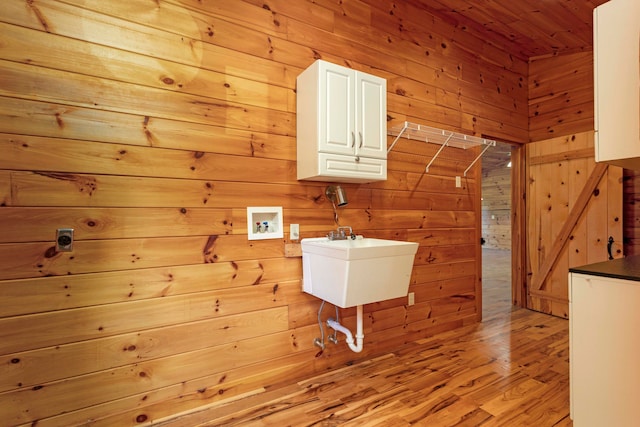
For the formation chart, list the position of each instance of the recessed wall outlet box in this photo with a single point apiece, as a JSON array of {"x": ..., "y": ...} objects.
[
  {"x": 458, "y": 182},
  {"x": 64, "y": 239},
  {"x": 264, "y": 222},
  {"x": 294, "y": 231},
  {"x": 411, "y": 299}
]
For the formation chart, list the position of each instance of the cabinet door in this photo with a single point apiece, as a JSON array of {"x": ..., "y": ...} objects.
[
  {"x": 617, "y": 82},
  {"x": 337, "y": 109},
  {"x": 371, "y": 122},
  {"x": 604, "y": 346}
]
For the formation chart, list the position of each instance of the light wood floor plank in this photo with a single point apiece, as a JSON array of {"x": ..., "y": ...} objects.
[{"x": 510, "y": 370}]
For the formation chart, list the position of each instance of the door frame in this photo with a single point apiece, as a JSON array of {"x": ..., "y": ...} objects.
[
  {"x": 518, "y": 226},
  {"x": 518, "y": 223}
]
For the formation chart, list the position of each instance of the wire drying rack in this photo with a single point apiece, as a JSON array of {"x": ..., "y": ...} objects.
[{"x": 441, "y": 137}]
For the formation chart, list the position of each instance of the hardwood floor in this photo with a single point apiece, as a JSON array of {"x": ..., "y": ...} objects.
[
  {"x": 510, "y": 370},
  {"x": 496, "y": 282}
]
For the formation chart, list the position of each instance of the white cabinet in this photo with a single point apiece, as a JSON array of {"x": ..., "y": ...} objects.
[
  {"x": 341, "y": 124},
  {"x": 617, "y": 82},
  {"x": 604, "y": 350}
]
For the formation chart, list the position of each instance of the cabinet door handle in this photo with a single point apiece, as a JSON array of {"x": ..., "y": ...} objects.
[
  {"x": 360, "y": 135},
  {"x": 353, "y": 139},
  {"x": 609, "y": 247}
]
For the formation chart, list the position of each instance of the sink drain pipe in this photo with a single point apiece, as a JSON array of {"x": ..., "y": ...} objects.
[{"x": 357, "y": 347}]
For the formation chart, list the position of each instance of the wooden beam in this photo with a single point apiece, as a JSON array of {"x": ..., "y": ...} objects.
[
  {"x": 562, "y": 157},
  {"x": 581, "y": 203},
  {"x": 547, "y": 296}
]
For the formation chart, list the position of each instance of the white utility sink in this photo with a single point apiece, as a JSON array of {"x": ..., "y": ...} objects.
[{"x": 350, "y": 272}]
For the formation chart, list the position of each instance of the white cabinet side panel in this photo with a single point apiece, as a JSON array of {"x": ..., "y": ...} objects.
[{"x": 617, "y": 80}]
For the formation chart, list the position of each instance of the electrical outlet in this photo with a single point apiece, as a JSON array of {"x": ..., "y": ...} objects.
[
  {"x": 294, "y": 231},
  {"x": 458, "y": 182},
  {"x": 64, "y": 239},
  {"x": 411, "y": 299}
]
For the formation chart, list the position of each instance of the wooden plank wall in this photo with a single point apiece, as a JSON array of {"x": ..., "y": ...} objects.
[
  {"x": 149, "y": 127},
  {"x": 560, "y": 95},
  {"x": 561, "y": 104},
  {"x": 631, "y": 211},
  {"x": 496, "y": 208}
]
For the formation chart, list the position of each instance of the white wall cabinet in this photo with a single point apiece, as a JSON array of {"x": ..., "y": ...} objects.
[
  {"x": 617, "y": 82},
  {"x": 341, "y": 124}
]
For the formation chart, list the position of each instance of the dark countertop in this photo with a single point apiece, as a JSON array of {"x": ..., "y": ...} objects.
[{"x": 627, "y": 268}]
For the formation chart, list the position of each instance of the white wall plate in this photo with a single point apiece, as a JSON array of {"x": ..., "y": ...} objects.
[{"x": 264, "y": 222}]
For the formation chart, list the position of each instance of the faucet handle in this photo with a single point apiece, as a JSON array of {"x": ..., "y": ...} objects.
[{"x": 342, "y": 230}]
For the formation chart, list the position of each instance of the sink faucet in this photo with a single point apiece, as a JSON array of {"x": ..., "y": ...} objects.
[{"x": 340, "y": 233}]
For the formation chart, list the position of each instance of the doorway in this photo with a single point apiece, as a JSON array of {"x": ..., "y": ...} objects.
[{"x": 496, "y": 201}]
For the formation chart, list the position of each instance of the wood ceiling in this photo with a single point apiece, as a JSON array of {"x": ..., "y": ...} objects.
[{"x": 525, "y": 28}]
